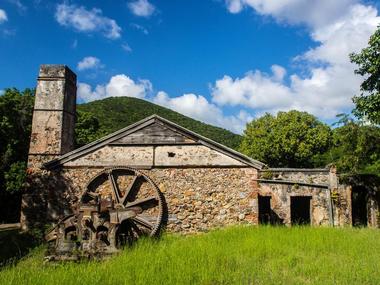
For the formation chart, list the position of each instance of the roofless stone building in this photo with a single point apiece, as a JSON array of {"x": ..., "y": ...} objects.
[{"x": 156, "y": 174}]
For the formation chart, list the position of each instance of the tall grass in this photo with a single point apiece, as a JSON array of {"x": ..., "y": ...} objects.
[{"x": 237, "y": 255}]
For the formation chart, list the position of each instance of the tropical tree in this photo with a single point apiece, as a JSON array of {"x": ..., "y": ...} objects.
[
  {"x": 368, "y": 60},
  {"x": 15, "y": 126},
  {"x": 16, "y": 110},
  {"x": 355, "y": 148},
  {"x": 289, "y": 139}
]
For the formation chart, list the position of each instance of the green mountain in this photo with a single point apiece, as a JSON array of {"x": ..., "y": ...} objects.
[{"x": 118, "y": 112}]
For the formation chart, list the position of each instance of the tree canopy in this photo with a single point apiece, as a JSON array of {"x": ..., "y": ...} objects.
[
  {"x": 15, "y": 126},
  {"x": 355, "y": 148},
  {"x": 289, "y": 139},
  {"x": 368, "y": 60}
]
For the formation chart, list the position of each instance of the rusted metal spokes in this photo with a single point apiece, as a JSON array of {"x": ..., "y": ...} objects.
[{"x": 118, "y": 206}]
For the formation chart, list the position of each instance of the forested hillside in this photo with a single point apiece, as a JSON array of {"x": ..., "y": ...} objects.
[{"x": 118, "y": 112}]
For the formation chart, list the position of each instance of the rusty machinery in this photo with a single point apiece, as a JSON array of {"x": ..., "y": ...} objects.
[{"x": 118, "y": 206}]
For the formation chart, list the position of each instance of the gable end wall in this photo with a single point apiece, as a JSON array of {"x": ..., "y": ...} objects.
[{"x": 150, "y": 156}]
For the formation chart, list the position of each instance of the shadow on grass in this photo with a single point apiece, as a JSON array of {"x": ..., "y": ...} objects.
[{"x": 14, "y": 245}]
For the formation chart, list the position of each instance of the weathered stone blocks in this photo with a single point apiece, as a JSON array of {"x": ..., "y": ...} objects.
[{"x": 54, "y": 113}]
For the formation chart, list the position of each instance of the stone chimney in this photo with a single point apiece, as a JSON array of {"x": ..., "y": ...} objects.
[{"x": 54, "y": 114}]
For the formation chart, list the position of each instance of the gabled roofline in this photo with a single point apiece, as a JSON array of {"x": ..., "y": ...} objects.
[{"x": 146, "y": 122}]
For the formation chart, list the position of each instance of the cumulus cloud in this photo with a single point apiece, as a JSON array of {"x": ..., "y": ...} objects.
[
  {"x": 254, "y": 90},
  {"x": 141, "y": 8},
  {"x": 311, "y": 12},
  {"x": 89, "y": 62},
  {"x": 349, "y": 33},
  {"x": 330, "y": 83},
  {"x": 119, "y": 85},
  {"x": 3, "y": 16},
  {"x": 198, "y": 107},
  {"x": 83, "y": 20},
  {"x": 325, "y": 90},
  {"x": 192, "y": 105}
]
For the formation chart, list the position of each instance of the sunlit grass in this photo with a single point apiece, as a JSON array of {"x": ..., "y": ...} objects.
[{"x": 239, "y": 255}]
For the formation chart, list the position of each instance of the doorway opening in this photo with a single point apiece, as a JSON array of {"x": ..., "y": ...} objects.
[
  {"x": 264, "y": 210},
  {"x": 359, "y": 206},
  {"x": 300, "y": 210}
]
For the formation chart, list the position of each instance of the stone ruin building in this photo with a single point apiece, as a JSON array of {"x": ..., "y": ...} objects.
[{"x": 155, "y": 174}]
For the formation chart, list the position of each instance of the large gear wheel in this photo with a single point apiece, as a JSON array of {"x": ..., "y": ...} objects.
[{"x": 119, "y": 206}]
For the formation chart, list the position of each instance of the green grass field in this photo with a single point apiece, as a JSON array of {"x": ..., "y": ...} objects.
[{"x": 242, "y": 255}]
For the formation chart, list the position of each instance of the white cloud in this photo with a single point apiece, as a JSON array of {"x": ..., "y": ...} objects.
[
  {"x": 192, "y": 105},
  {"x": 141, "y": 8},
  {"x": 3, "y": 16},
  {"x": 197, "y": 107},
  {"x": 126, "y": 47},
  {"x": 330, "y": 83},
  {"x": 89, "y": 62},
  {"x": 140, "y": 28},
  {"x": 119, "y": 85},
  {"x": 311, "y": 12},
  {"x": 234, "y": 6},
  {"x": 325, "y": 90},
  {"x": 255, "y": 90},
  {"x": 86, "y": 94},
  {"x": 83, "y": 20},
  {"x": 349, "y": 33}
]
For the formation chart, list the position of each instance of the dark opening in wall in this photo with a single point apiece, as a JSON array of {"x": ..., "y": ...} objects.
[
  {"x": 10, "y": 206},
  {"x": 359, "y": 206},
  {"x": 300, "y": 210},
  {"x": 264, "y": 210},
  {"x": 171, "y": 154}
]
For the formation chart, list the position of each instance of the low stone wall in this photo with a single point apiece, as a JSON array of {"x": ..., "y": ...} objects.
[
  {"x": 281, "y": 201},
  {"x": 330, "y": 202},
  {"x": 309, "y": 176}
]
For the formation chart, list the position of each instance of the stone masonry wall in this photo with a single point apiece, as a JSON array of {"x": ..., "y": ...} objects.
[
  {"x": 198, "y": 199},
  {"x": 281, "y": 197},
  {"x": 203, "y": 198},
  {"x": 330, "y": 201}
]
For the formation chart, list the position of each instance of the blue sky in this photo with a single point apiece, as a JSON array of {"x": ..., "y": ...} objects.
[{"x": 223, "y": 62}]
